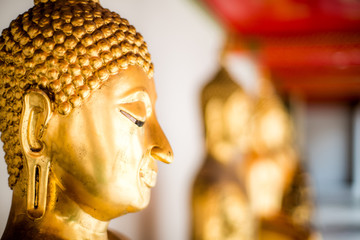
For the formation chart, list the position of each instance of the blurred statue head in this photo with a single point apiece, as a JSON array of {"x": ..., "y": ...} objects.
[
  {"x": 77, "y": 105},
  {"x": 226, "y": 109}
]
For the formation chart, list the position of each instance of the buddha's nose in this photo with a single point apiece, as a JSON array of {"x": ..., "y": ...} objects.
[
  {"x": 160, "y": 148},
  {"x": 163, "y": 155}
]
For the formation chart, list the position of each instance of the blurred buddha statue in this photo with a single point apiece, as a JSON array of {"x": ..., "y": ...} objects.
[
  {"x": 272, "y": 157},
  {"x": 220, "y": 207},
  {"x": 78, "y": 122},
  {"x": 278, "y": 193}
]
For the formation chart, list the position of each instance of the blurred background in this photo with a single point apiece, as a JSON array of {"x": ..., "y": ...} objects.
[{"x": 310, "y": 51}]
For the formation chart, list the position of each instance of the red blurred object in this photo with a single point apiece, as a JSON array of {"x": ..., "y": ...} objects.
[
  {"x": 261, "y": 17},
  {"x": 321, "y": 66},
  {"x": 312, "y": 47}
]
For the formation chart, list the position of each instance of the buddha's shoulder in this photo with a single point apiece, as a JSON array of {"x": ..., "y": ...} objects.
[{"x": 113, "y": 235}]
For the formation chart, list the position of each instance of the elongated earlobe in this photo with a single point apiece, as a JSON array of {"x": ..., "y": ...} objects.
[{"x": 35, "y": 115}]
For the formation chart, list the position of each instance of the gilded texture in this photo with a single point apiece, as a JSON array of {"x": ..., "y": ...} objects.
[
  {"x": 277, "y": 197},
  {"x": 67, "y": 49},
  {"x": 220, "y": 206},
  {"x": 247, "y": 187}
]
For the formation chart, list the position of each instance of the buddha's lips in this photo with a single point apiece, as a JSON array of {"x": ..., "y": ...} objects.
[{"x": 148, "y": 176}]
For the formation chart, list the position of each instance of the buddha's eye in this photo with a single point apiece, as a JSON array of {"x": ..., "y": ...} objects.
[
  {"x": 135, "y": 110},
  {"x": 131, "y": 118}
]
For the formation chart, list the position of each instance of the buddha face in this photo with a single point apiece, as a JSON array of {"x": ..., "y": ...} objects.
[{"x": 103, "y": 154}]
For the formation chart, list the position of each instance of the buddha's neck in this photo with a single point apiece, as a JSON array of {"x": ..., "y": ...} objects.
[{"x": 63, "y": 219}]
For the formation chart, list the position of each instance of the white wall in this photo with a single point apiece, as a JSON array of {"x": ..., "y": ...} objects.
[
  {"x": 356, "y": 147},
  {"x": 327, "y": 141},
  {"x": 184, "y": 45}
]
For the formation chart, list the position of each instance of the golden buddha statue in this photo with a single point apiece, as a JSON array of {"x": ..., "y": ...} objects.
[
  {"x": 220, "y": 206},
  {"x": 277, "y": 191},
  {"x": 273, "y": 159},
  {"x": 78, "y": 121}
]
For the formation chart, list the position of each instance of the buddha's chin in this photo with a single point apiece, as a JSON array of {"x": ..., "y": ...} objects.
[{"x": 140, "y": 203}]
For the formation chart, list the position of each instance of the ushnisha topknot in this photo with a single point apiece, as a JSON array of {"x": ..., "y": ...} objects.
[
  {"x": 66, "y": 48},
  {"x": 82, "y": 1}
]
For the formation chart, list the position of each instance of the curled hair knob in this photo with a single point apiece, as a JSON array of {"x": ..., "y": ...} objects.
[{"x": 36, "y": 2}]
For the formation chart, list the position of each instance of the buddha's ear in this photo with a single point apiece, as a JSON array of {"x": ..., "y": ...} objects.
[{"x": 35, "y": 115}]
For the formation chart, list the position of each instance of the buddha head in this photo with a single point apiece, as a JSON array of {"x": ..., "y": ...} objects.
[
  {"x": 77, "y": 107},
  {"x": 226, "y": 110}
]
